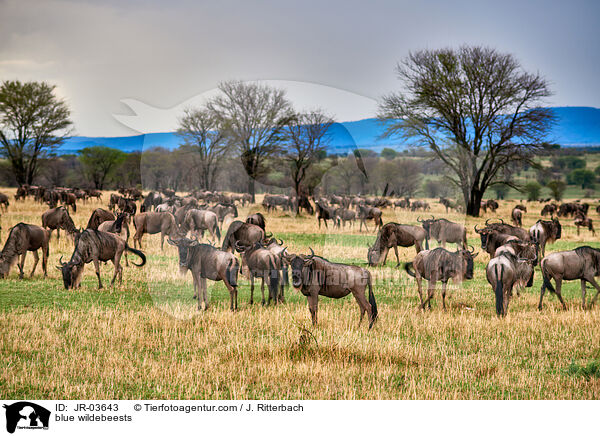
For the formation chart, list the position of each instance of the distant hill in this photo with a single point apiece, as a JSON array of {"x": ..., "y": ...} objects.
[{"x": 575, "y": 127}]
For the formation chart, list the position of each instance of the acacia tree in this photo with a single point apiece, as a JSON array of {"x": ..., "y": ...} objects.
[
  {"x": 33, "y": 122},
  {"x": 475, "y": 108},
  {"x": 253, "y": 118},
  {"x": 206, "y": 141},
  {"x": 308, "y": 135},
  {"x": 99, "y": 163}
]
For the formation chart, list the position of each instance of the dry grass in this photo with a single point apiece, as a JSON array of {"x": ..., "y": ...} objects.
[{"x": 146, "y": 339}]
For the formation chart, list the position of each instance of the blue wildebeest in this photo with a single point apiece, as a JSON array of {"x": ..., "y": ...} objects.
[
  {"x": 582, "y": 263},
  {"x": 207, "y": 262},
  {"x": 261, "y": 262},
  {"x": 315, "y": 276},
  {"x": 393, "y": 235},
  {"x": 443, "y": 265},
  {"x": 444, "y": 231},
  {"x": 21, "y": 239},
  {"x": 543, "y": 232},
  {"x": 96, "y": 246},
  {"x": 505, "y": 271}
]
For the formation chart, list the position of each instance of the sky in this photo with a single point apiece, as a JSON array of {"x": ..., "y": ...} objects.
[{"x": 130, "y": 66}]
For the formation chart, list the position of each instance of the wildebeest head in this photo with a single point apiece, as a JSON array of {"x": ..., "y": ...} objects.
[
  {"x": 183, "y": 247},
  {"x": 70, "y": 273},
  {"x": 468, "y": 257},
  {"x": 558, "y": 227},
  {"x": 5, "y": 265},
  {"x": 483, "y": 234},
  {"x": 301, "y": 268},
  {"x": 427, "y": 224},
  {"x": 373, "y": 255}
]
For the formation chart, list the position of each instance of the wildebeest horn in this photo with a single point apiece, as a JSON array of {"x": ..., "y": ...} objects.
[
  {"x": 312, "y": 253},
  {"x": 268, "y": 235},
  {"x": 472, "y": 250},
  {"x": 432, "y": 217},
  {"x": 171, "y": 241},
  {"x": 280, "y": 241},
  {"x": 419, "y": 219},
  {"x": 61, "y": 261},
  {"x": 486, "y": 221},
  {"x": 476, "y": 229}
]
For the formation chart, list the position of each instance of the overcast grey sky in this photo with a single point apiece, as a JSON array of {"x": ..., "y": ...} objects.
[{"x": 164, "y": 53}]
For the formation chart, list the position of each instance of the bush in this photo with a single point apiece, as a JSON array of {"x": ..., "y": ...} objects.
[
  {"x": 533, "y": 189},
  {"x": 557, "y": 187},
  {"x": 388, "y": 153},
  {"x": 436, "y": 188},
  {"x": 582, "y": 177},
  {"x": 501, "y": 191}
]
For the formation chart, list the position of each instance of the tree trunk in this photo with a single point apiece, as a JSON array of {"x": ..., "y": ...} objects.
[
  {"x": 474, "y": 204},
  {"x": 251, "y": 188}
]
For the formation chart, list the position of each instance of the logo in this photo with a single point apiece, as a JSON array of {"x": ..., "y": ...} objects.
[{"x": 26, "y": 415}]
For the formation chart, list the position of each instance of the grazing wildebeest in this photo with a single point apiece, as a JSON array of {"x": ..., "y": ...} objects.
[
  {"x": 443, "y": 265},
  {"x": 96, "y": 246},
  {"x": 257, "y": 219},
  {"x": 4, "y": 203},
  {"x": 260, "y": 262},
  {"x": 504, "y": 272},
  {"x": 392, "y": 235},
  {"x": 247, "y": 234},
  {"x": 582, "y": 263},
  {"x": 69, "y": 199},
  {"x": 543, "y": 232},
  {"x": 501, "y": 227},
  {"x": 270, "y": 202},
  {"x": 582, "y": 220},
  {"x": 21, "y": 239},
  {"x": 517, "y": 216},
  {"x": 59, "y": 218},
  {"x": 342, "y": 215},
  {"x": 549, "y": 209},
  {"x": 369, "y": 213},
  {"x": 98, "y": 217},
  {"x": 443, "y": 231},
  {"x": 197, "y": 221},
  {"x": 325, "y": 213},
  {"x": 152, "y": 223},
  {"x": 207, "y": 262},
  {"x": 315, "y": 276},
  {"x": 419, "y": 205}
]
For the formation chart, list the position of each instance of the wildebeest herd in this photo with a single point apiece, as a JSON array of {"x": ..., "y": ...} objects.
[{"x": 514, "y": 251}]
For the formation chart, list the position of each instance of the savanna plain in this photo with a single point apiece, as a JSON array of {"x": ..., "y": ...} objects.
[{"x": 145, "y": 338}]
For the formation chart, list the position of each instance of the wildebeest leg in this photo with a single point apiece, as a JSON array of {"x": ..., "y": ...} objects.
[
  {"x": 36, "y": 259},
  {"x": 58, "y": 234},
  {"x": 22, "y": 265},
  {"x": 265, "y": 276},
  {"x": 363, "y": 304},
  {"x": 558, "y": 294},
  {"x": 313, "y": 306},
  {"x": 576, "y": 225},
  {"x": 251, "y": 288},
  {"x": 204, "y": 292},
  {"x": 45, "y": 253},
  {"x": 117, "y": 265},
  {"x": 583, "y": 293},
  {"x": 419, "y": 280},
  {"x": 162, "y": 240},
  {"x": 97, "y": 267},
  {"x": 430, "y": 291},
  {"x": 397, "y": 258},
  {"x": 444, "y": 284},
  {"x": 595, "y": 285}
]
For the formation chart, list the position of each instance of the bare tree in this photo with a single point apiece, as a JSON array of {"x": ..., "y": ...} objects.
[
  {"x": 206, "y": 141},
  {"x": 253, "y": 117},
  {"x": 308, "y": 135},
  {"x": 31, "y": 118},
  {"x": 475, "y": 108}
]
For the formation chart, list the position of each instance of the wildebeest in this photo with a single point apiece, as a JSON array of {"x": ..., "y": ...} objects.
[
  {"x": 517, "y": 216},
  {"x": 271, "y": 202},
  {"x": 21, "y": 239},
  {"x": 277, "y": 248},
  {"x": 504, "y": 272},
  {"x": 392, "y": 235},
  {"x": 120, "y": 227},
  {"x": 549, "y": 209},
  {"x": 443, "y": 265},
  {"x": 419, "y": 205},
  {"x": 582, "y": 263},
  {"x": 324, "y": 213},
  {"x": 315, "y": 276},
  {"x": 525, "y": 250},
  {"x": 543, "y": 232},
  {"x": 152, "y": 200},
  {"x": 502, "y": 227},
  {"x": 342, "y": 215},
  {"x": 247, "y": 234},
  {"x": 98, "y": 217},
  {"x": 127, "y": 205},
  {"x": 59, "y": 218},
  {"x": 69, "y": 199},
  {"x": 490, "y": 204},
  {"x": 197, "y": 221},
  {"x": 207, "y": 262},
  {"x": 443, "y": 231},
  {"x": 222, "y": 210},
  {"x": 152, "y": 223},
  {"x": 582, "y": 220},
  {"x": 492, "y": 239},
  {"x": 257, "y": 219},
  {"x": 369, "y": 213},
  {"x": 4, "y": 203},
  {"x": 96, "y": 246},
  {"x": 260, "y": 262},
  {"x": 570, "y": 209}
]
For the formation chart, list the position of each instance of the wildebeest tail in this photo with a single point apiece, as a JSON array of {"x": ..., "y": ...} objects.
[
  {"x": 546, "y": 280},
  {"x": 408, "y": 268},
  {"x": 372, "y": 302},
  {"x": 138, "y": 253},
  {"x": 426, "y": 242},
  {"x": 499, "y": 291},
  {"x": 232, "y": 271},
  {"x": 218, "y": 232}
]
